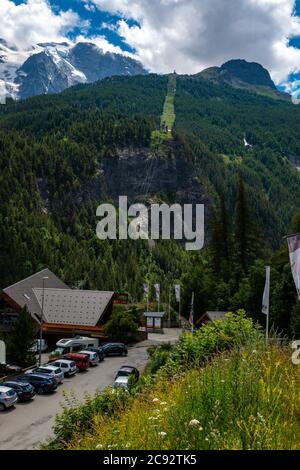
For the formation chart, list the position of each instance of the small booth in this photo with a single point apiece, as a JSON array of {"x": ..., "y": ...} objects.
[{"x": 154, "y": 322}]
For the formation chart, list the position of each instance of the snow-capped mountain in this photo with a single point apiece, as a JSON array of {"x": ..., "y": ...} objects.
[{"x": 52, "y": 67}]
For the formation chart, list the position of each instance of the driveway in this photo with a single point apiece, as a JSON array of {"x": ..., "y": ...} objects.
[{"x": 28, "y": 424}]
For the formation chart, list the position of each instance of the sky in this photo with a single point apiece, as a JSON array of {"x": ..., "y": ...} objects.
[{"x": 185, "y": 35}]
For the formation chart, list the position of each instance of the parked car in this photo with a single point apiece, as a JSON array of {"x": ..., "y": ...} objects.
[
  {"x": 8, "y": 397},
  {"x": 68, "y": 367},
  {"x": 126, "y": 371},
  {"x": 49, "y": 371},
  {"x": 93, "y": 357},
  {"x": 121, "y": 382},
  {"x": 82, "y": 361},
  {"x": 24, "y": 390},
  {"x": 41, "y": 383},
  {"x": 35, "y": 348},
  {"x": 7, "y": 369},
  {"x": 99, "y": 350},
  {"x": 115, "y": 349}
]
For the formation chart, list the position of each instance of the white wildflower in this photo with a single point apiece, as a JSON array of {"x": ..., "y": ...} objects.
[
  {"x": 194, "y": 422},
  {"x": 155, "y": 400},
  {"x": 162, "y": 434}
]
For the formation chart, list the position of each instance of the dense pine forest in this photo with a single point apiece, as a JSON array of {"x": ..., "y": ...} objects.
[{"x": 59, "y": 155}]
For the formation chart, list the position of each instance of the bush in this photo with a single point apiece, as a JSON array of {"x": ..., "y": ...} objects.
[
  {"x": 123, "y": 326},
  {"x": 196, "y": 348},
  {"x": 78, "y": 417}
]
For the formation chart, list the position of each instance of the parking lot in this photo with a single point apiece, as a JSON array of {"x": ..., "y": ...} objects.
[{"x": 28, "y": 424}]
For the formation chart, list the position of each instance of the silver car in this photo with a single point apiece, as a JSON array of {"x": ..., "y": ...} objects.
[
  {"x": 49, "y": 371},
  {"x": 93, "y": 357},
  {"x": 8, "y": 397}
]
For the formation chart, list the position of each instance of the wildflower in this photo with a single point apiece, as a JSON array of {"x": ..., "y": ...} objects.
[
  {"x": 222, "y": 381},
  {"x": 99, "y": 446},
  {"x": 155, "y": 400},
  {"x": 254, "y": 351},
  {"x": 200, "y": 428},
  {"x": 163, "y": 403},
  {"x": 194, "y": 422},
  {"x": 162, "y": 434}
]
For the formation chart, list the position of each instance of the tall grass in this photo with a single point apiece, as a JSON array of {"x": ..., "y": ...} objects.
[{"x": 248, "y": 398}]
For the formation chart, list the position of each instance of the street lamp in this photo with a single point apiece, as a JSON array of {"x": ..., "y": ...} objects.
[{"x": 41, "y": 322}]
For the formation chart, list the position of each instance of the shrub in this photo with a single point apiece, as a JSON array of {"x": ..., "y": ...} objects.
[
  {"x": 78, "y": 417},
  {"x": 123, "y": 326},
  {"x": 196, "y": 348}
]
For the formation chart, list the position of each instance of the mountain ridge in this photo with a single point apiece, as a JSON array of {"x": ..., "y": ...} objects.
[{"x": 53, "y": 67}]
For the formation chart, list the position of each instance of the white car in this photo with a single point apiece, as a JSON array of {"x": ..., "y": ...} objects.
[
  {"x": 121, "y": 382},
  {"x": 68, "y": 367},
  {"x": 8, "y": 397},
  {"x": 94, "y": 358},
  {"x": 50, "y": 371}
]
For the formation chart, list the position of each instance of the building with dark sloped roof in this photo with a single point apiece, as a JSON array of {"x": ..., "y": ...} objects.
[{"x": 65, "y": 311}]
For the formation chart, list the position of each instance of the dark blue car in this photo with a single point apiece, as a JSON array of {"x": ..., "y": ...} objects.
[
  {"x": 24, "y": 390},
  {"x": 41, "y": 383}
]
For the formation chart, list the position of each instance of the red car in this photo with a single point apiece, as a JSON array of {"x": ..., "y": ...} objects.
[{"x": 82, "y": 361}]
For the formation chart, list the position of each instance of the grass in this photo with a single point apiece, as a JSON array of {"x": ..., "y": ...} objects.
[
  {"x": 231, "y": 160},
  {"x": 168, "y": 117},
  {"x": 244, "y": 399}
]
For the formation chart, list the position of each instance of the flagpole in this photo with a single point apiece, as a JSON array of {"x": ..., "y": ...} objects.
[
  {"x": 266, "y": 301},
  {"x": 169, "y": 306}
]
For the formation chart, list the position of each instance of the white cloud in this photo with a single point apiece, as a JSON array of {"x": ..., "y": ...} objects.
[
  {"x": 33, "y": 22},
  {"x": 189, "y": 35},
  {"x": 103, "y": 44}
]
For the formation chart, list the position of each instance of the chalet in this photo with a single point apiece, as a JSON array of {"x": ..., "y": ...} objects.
[
  {"x": 210, "y": 317},
  {"x": 63, "y": 311}
]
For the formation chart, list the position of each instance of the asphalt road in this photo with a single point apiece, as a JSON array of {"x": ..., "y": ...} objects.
[{"x": 28, "y": 424}]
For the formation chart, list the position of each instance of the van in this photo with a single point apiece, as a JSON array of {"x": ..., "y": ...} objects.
[
  {"x": 94, "y": 358},
  {"x": 82, "y": 361},
  {"x": 70, "y": 345}
]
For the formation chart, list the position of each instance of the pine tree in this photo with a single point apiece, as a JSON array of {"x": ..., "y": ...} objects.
[
  {"x": 248, "y": 244},
  {"x": 21, "y": 338},
  {"x": 221, "y": 240}
]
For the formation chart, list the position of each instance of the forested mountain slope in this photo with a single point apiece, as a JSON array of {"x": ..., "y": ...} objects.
[{"x": 62, "y": 155}]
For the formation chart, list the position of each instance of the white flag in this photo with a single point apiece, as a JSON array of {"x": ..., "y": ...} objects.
[
  {"x": 146, "y": 289},
  {"x": 294, "y": 251},
  {"x": 177, "y": 292},
  {"x": 266, "y": 296},
  {"x": 191, "y": 317},
  {"x": 157, "y": 291}
]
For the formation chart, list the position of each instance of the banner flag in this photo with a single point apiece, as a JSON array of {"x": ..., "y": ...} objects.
[
  {"x": 146, "y": 289},
  {"x": 266, "y": 296},
  {"x": 157, "y": 291},
  {"x": 177, "y": 292},
  {"x": 294, "y": 251}
]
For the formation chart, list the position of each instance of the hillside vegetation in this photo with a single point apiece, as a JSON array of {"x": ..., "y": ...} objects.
[
  {"x": 59, "y": 161},
  {"x": 221, "y": 388}
]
